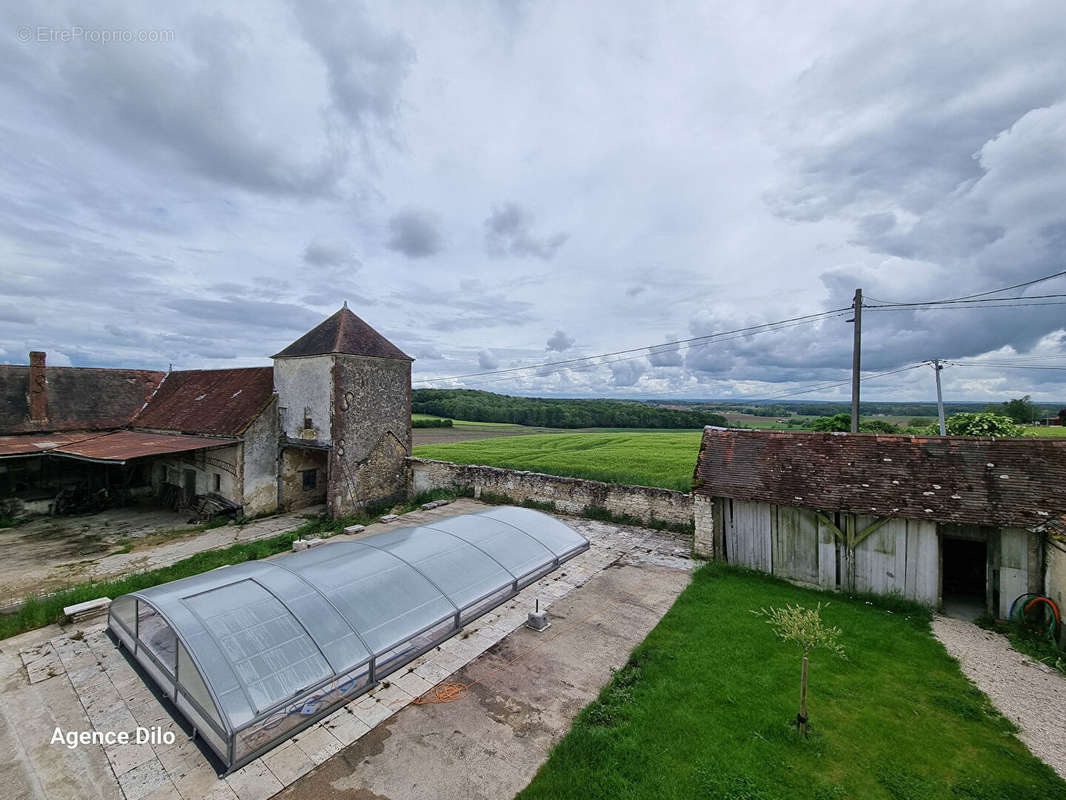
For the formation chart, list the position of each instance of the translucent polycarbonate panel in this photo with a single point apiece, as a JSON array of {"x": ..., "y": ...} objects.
[
  {"x": 157, "y": 636},
  {"x": 461, "y": 571},
  {"x": 382, "y": 597},
  {"x": 279, "y": 725},
  {"x": 518, "y": 552},
  {"x": 334, "y": 636},
  {"x": 124, "y": 609},
  {"x": 557, "y": 536},
  {"x": 190, "y": 681},
  {"x": 490, "y": 602},
  {"x": 276, "y": 644},
  {"x": 404, "y": 652},
  {"x": 268, "y": 649},
  {"x": 218, "y": 744}
]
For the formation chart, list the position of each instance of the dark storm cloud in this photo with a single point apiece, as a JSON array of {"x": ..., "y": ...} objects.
[
  {"x": 260, "y": 314},
  {"x": 508, "y": 233},
  {"x": 560, "y": 342},
  {"x": 330, "y": 254},
  {"x": 627, "y": 373},
  {"x": 13, "y": 314},
  {"x": 669, "y": 356},
  {"x": 945, "y": 154},
  {"x": 414, "y": 234},
  {"x": 367, "y": 67}
]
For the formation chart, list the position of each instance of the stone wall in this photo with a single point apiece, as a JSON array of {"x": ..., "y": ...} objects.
[
  {"x": 294, "y": 462},
  {"x": 571, "y": 495},
  {"x": 259, "y": 484},
  {"x": 371, "y": 431}
]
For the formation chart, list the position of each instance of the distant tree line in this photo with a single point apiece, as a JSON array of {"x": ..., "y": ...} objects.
[
  {"x": 478, "y": 406},
  {"x": 433, "y": 422},
  {"x": 1022, "y": 411}
]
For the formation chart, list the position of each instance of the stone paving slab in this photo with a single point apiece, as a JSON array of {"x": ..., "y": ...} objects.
[{"x": 112, "y": 696}]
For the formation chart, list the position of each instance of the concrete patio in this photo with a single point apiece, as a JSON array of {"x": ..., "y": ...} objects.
[{"x": 78, "y": 681}]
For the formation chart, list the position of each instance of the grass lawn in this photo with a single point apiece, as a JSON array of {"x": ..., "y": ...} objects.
[
  {"x": 707, "y": 703},
  {"x": 645, "y": 459},
  {"x": 1045, "y": 430}
]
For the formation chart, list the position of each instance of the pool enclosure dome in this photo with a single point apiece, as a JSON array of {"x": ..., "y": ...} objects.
[{"x": 252, "y": 653}]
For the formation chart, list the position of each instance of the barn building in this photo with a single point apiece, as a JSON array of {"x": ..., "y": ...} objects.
[
  {"x": 329, "y": 423},
  {"x": 960, "y": 523}
]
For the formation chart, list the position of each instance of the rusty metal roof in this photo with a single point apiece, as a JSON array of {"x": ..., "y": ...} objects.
[
  {"x": 343, "y": 333},
  {"x": 980, "y": 481},
  {"x": 220, "y": 402},
  {"x": 121, "y": 446},
  {"x": 30, "y": 443},
  {"x": 78, "y": 398}
]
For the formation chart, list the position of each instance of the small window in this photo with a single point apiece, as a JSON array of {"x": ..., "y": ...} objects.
[
  {"x": 307, "y": 423},
  {"x": 218, "y": 483},
  {"x": 310, "y": 479}
]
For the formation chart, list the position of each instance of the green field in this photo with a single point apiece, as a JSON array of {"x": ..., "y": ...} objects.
[
  {"x": 707, "y": 703},
  {"x": 1046, "y": 431},
  {"x": 658, "y": 459}
]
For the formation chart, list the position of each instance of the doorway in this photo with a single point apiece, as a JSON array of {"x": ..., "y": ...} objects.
[
  {"x": 964, "y": 571},
  {"x": 190, "y": 485}
]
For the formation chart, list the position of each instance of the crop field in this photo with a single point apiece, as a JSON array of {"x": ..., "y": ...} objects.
[{"x": 665, "y": 460}]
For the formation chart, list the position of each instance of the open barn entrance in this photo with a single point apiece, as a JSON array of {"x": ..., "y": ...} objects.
[{"x": 964, "y": 569}]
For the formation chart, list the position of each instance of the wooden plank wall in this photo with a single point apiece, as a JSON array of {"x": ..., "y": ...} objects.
[{"x": 901, "y": 557}]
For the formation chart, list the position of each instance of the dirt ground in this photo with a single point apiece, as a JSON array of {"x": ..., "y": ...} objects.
[{"x": 48, "y": 552}]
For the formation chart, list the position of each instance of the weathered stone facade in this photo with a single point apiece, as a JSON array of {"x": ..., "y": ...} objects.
[
  {"x": 572, "y": 495},
  {"x": 293, "y": 489},
  {"x": 371, "y": 431}
]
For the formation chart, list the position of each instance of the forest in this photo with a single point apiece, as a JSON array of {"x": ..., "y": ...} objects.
[{"x": 470, "y": 404}]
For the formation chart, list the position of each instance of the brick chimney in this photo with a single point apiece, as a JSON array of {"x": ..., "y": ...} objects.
[{"x": 38, "y": 385}]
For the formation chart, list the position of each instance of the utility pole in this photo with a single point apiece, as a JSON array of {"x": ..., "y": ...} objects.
[
  {"x": 856, "y": 360},
  {"x": 937, "y": 366}
]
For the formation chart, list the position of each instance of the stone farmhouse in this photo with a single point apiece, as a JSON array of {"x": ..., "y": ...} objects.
[
  {"x": 941, "y": 520},
  {"x": 329, "y": 423}
]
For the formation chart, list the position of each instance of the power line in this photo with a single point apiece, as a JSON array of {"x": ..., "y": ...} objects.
[
  {"x": 642, "y": 354},
  {"x": 650, "y": 349},
  {"x": 982, "y": 294},
  {"x": 1005, "y": 303},
  {"x": 833, "y": 385}
]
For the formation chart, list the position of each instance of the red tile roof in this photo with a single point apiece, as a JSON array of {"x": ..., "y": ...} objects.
[
  {"x": 343, "y": 333},
  {"x": 78, "y": 398},
  {"x": 1008, "y": 482},
  {"x": 220, "y": 402}
]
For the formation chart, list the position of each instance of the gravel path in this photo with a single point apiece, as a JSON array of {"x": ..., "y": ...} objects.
[{"x": 1030, "y": 694}]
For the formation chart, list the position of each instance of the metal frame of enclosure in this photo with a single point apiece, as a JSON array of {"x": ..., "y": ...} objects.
[{"x": 251, "y": 654}]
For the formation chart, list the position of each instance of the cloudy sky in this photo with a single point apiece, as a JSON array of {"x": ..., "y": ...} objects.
[{"x": 501, "y": 184}]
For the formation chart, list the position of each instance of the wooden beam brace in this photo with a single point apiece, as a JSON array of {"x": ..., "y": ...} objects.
[
  {"x": 869, "y": 529},
  {"x": 831, "y": 525}
]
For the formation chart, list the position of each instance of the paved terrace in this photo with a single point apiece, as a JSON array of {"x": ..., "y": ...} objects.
[{"x": 488, "y": 743}]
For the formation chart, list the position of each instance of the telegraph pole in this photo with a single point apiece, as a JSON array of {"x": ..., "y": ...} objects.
[
  {"x": 856, "y": 360},
  {"x": 937, "y": 366}
]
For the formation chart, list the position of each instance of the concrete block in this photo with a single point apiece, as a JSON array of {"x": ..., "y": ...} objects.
[
  {"x": 315, "y": 541},
  {"x": 299, "y": 546},
  {"x": 88, "y": 609},
  {"x": 389, "y": 518},
  {"x": 355, "y": 529}
]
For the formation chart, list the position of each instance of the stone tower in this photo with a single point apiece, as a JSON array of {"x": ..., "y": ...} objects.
[{"x": 344, "y": 398}]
